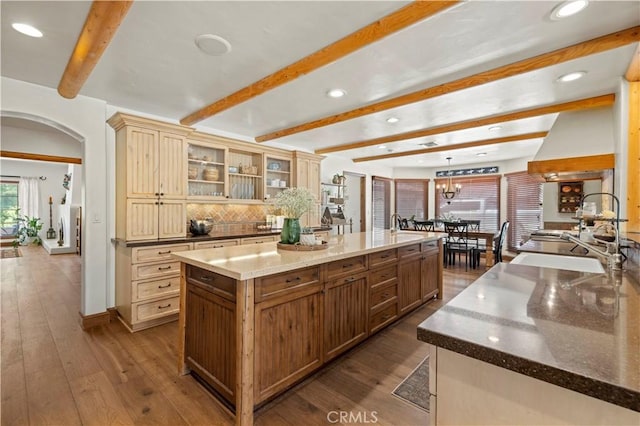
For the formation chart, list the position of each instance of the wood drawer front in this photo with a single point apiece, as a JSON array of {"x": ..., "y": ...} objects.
[
  {"x": 381, "y": 275},
  {"x": 215, "y": 283},
  {"x": 383, "y": 317},
  {"x": 151, "y": 310},
  {"x": 430, "y": 247},
  {"x": 382, "y": 257},
  {"x": 156, "y": 253},
  {"x": 157, "y": 288},
  {"x": 408, "y": 250},
  {"x": 155, "y": 270},
  {"x": 351, "y": 265},
  {"x": 260, "y": 240},
  {"x": 215, "y": 244},
  {"x": 382, "y": 294},
  {"x": 274, "y": 285}
]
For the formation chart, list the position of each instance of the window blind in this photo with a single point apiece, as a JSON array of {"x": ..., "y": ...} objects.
[
  {"x": 411, "y": 198},
  {"x": 381, "y": 202},
  {"x": 479, "y": 199},
  {"x": 524, "y": 207}
]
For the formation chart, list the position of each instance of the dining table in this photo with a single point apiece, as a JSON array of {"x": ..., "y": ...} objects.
[{"x": 487, "y": 236}]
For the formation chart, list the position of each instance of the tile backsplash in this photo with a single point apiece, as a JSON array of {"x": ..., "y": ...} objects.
[{"x": 230, "y": 217}]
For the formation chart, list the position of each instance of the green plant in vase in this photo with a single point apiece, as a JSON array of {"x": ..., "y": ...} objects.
[
  {"x": 28, "y": 231},
  {"x": 293, "y": 203}
]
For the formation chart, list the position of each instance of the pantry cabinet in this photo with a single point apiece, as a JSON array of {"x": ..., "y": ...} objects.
[{"x": 151, "y": 188}]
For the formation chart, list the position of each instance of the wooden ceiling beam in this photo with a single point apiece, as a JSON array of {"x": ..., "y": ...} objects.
[
  {"x": 40, "y": 157},
  {"x": 101, "y": 24},
  {"x": 633, "y": 72},
  {"x": 402, "y": 18},
  {"x": 454, "y": 147},
  {"x": 573, "y": 164},
  {"x": 579, "y": 50},
  {"x": 595, "y": 102}
]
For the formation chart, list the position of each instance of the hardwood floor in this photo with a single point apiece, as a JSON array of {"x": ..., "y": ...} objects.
[{"x": 54, "y": 373}]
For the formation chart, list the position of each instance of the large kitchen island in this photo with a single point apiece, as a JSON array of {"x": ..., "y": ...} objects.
[{"x": 255, "y": 320}]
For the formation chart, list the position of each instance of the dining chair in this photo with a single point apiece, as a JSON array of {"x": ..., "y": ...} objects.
[
  {"x": 458, "y": 243},
  {"x": 498, "y": 243},
  {"x": 403, "y": 223}
]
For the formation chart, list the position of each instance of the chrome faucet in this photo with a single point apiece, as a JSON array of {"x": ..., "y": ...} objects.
[
  {"x": 611, "y": 253},
  {"x": 394, "y": 216}
]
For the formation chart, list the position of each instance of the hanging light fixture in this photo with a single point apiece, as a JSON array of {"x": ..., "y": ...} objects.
[{"x": 449, "y": 190}]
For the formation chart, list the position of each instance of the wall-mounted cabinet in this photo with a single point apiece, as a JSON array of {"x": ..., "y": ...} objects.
[
  {"x": 569, "y": 196},
  {"x": 245, "y": 175},
  {"x": 278, "y": 175},
  {"x": 306, "y": 171},
  {"x": 206, "y": 171}
]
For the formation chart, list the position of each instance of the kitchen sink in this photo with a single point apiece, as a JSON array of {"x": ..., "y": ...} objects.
[{"x": 568, "y": 263}]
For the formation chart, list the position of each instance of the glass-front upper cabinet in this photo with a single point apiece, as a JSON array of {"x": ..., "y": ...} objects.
[
  {"x": 206, "y": 171},
  {"x": 277, "y": 175},
  {"x": 245, "y": 175}
]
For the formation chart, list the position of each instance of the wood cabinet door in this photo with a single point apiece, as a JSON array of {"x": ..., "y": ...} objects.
[
  {"x": 313, "y": 181},
  {"x": 142, "y": 219},
  {"x": 210, "y": 339},
  {"x": 409, "y": 284},
  {"x": 172, "y": 219},
  {"x": 346, "y": 314},
  {"x": 430, "y": 274},
  {"x": 142, "y": 163},
  {"x": 288, "y": 332},
  {"x": 172, "y": 166}
]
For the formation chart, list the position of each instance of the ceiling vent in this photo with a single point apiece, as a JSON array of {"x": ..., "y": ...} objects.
[{"x": 429, "y": 144}]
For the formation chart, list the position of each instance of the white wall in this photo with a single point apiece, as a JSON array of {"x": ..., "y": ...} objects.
[
  {"x": 51, "y": 186},
  {"x": 39, "y": 142},
  {"x": 550, "y": 211},
  {"x": 86, "y": 117}
]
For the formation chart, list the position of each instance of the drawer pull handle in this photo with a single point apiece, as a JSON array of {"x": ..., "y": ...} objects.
[
  {"x": 293, "y": 279},
  {"x": 411, "y": 249},
  {"x": 384, "y": 256},
  {"x": 164, "y": 252},
  {"x": 164, "y": 268},
  {"x": 386, "y": 317},
  {"x": 347, "y": 265},
  {"x": 165, "y": 306},
  {"x": 350, "y": 279},
  {"x": 218, "y": 246},
  {"x": 206, "y": 278},
  {"x": 383, "y": 276},
  {"x": 164, "y": 286},
  {"x": 385, "y": 295}
]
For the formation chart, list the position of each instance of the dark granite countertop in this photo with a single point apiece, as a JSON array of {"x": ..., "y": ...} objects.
[
  {"x": 212, "y": 236},
  {"x": 576, "y": 330}
]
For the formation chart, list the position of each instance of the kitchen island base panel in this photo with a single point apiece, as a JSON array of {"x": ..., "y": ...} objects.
[{"x": 472, "y": 391}]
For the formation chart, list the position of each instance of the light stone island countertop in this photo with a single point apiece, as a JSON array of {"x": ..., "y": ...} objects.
[{"x": 258, "y": 260}]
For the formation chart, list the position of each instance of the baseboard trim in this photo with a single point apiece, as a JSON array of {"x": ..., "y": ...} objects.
[{"x": 94, "y": 320}]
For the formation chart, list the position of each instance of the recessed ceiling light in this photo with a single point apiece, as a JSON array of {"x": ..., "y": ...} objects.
[
  {"x": 420, "y": 161},
  {"x": 572, "y": 76},
  {"x": 429, "y": 144},
  {"x": 382, "y": 146},
  {"x": 568, "y": 8},
  {"x": 212, "y": 44},
  {"x": 27, "y": 29},
  {"x": 393, "y": 120},
  {"x": 481, "y": 154},
  {"x": 336, "y": 93},
  {"x": 495, "y": 128}
]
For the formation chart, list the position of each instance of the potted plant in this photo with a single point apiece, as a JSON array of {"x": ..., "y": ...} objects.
[
  {"x": 293, "y": 203},
  {"x": 28, "y": 231}
]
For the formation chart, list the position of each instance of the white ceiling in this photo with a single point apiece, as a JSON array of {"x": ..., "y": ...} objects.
[{"x": 152, "y": 65}]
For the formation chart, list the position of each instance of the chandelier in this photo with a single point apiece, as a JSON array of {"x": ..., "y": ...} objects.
[{"x": 449, "y": 190}]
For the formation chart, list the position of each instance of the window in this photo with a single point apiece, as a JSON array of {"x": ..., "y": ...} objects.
[
  {"x": 381, "y": 202},
  {"x": 9, "y": 208},
  {"x": 411, "y": 198},
  {"x": 478, "y": 199},
  {"x": 524, "y": 207}
]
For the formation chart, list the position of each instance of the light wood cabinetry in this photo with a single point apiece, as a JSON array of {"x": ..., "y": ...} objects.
[
  {"x": 278, "y": 173},
  {"x": 215, "y": 244},
  {"x": 206, "y": 171},
  {"x": 151, "y": 165},
  {"x": 260, "y": 240},
  {"x": 306, "y": 170},
  {"x": 148, "y": 285}
]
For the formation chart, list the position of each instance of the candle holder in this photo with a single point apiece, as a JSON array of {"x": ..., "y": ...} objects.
[{"x": 51, "y": 233}]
